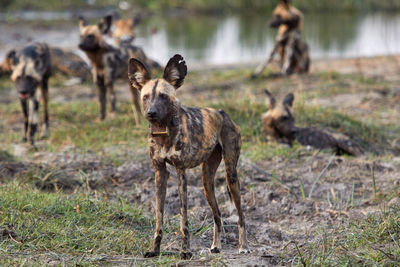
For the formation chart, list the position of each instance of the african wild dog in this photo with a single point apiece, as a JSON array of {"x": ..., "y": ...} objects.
[
  {"x": 62, "y": 61},
  {"x": 109, "y": 62},
  {"x": 124, "y": 29},
  {"x": 30, "y": 69},
  {"x": 186, "y": 137},
  {"x": 293, "y": 51},
  {"x": 278, "y": 123}
]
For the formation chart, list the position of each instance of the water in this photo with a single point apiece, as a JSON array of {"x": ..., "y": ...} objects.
[{"x": 233, "y": 39}]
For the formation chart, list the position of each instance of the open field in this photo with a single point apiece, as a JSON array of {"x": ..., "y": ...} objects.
[{"x": 85, "y": 196}]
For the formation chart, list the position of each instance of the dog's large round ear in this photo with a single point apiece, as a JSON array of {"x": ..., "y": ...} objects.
[
  {"x": 82, "y": 22},
  {"x": 105, "y": 24},
  {"x": 175, "y": 71},
  {"x": 138, "y": 73},
  {"x": 11, "y": 57},
  {"x": 271, "y": 102},
  {"x": 288, "y": 100}
]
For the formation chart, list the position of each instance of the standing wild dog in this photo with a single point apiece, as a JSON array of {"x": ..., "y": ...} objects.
[
  {"x": 30, "y": 69},
  {"x": 109, "y": 62},
  {"x": 62, "y": 61},
  {"x": 293, "y": 51},
  {"x": 186, "y": 137},
  {"x": 279, "y": 124}
]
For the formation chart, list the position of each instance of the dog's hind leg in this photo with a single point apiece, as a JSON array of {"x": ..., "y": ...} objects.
[
  {"x": 102, "y": 96},
  {"x": 182, "y": 189},
  {"x": 209, "y": 168},
  {"x": 161, "y": 178},
  {"x": 113, "y": 97},
  {"x": 135, "y": 103},
  {"x": 45, "y": 97},
  {"x": 230, "y": 138}
]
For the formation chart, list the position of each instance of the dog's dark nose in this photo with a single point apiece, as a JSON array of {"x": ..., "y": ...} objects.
[{"x": 151, "y": 113}]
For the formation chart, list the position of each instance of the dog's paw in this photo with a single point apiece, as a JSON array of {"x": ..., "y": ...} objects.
[
  {"x": 215, "y": 250},
  {"x": 185, "y": 255},
  {"x": 151, "y": 254},
  {"x": 24, "y": 140},
  {"x": 244, "y": 251}
]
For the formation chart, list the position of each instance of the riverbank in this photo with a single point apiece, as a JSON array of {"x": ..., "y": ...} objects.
[{"x": 201, "y": 6}]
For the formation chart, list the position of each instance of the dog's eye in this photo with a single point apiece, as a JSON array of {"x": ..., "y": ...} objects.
[
  {"x": 163, "y": 96},
  {"x": 145, "y": 97}
]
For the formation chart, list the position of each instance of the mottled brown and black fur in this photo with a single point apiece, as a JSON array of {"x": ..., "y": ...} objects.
[
  {"x": 63, "y": 62},
  {"x": 279, "y": 124},
  {"x": 31, "y": 69},
  {"x": 109, "y": 62},
  {"x": 186, "y": 137},
  {"x": 293, "y": 52}
]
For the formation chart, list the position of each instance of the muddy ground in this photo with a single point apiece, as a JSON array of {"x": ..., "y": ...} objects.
[{"x": 289, "y": 201}]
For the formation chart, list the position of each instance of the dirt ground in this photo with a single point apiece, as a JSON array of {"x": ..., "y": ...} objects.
[{"x": 288, "y": 201}]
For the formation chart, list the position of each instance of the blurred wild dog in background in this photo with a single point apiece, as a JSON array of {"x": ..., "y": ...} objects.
[
  {"x": 62, "y": 62},
  {"x": 110, "y": 62},
  {"x": 123, "y": 30},
  {"x": 279, "y": 124},
  {"x": 186, "y": 137},
  {"x": 31, "y": 68},
  {"x": 292, "y": 50}
]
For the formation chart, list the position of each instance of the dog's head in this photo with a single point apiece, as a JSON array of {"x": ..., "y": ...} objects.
[
  {"x": 158, "y": 96},
  {"x": 91, "y": 36},
  {"x": 124, "y": 29},
  {"x": 278, "y": 122},
  {"x": 28, "y": 66}
]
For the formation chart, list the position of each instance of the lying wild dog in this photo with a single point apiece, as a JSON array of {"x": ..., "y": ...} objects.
[
  {"x": 109, "y": 62},
  {"x": 186, "y": 137},
  {"x": 30, "y": 69},
  {"x": 68, "y": 64},
  {"x": 278, "y": 123},
  {"x": 62, "y": 61},
  {"x": 292, "y": 50}
]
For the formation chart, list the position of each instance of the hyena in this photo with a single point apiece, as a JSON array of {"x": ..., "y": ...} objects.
[
  {"x": 30, "y": 69},
  {"x": 278, "y": 123},
  {"x": 62, "y": 61},
  {"x": 186, "y": 137},
  {"x": 294, "y": 55},
  {"x": 109, "y": 62}
]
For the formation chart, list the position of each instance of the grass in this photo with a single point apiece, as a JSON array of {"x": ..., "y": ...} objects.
[
  {"x": 40, "y": 221},
  {"x": 77, "y": 226},
  {"x": 371, "y": 241}
]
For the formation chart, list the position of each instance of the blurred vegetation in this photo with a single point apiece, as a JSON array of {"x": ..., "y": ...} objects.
[{"x": 204, "y": 5}]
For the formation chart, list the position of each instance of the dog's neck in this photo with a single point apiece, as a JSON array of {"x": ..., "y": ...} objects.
[{"x": 165, "y": 133}]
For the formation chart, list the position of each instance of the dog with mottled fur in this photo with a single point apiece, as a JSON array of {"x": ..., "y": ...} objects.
[
  {"x": 109, "y": 62},
  {"x": 186, "y": 137},
  {"x": 279, "y": 124},
  {"x": 31, "y": 69},
  {"x": 63, "y": 62}
]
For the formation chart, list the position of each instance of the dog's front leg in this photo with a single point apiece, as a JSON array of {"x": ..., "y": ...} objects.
[
  {"x": 182, "y": 189},
  {"x": 33, "y": 118},
  {"x": 161, "y": 190},
  {"x": 24, "y": 105}
]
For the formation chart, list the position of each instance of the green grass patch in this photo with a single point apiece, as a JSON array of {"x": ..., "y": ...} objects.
[
  {"x": 372, "y": 241},
  {"x": 36, "y": 222}
]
